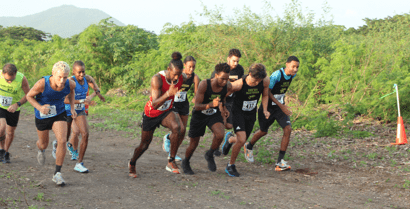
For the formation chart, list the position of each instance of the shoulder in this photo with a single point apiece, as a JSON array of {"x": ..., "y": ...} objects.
[
  {"x": 19, "y": 75},
  {"x": 156, "y": 81},
  {"x": 266, "y": 81},
  {"x": 72, "y": 83},
  {"x": 89, "y": 78}
]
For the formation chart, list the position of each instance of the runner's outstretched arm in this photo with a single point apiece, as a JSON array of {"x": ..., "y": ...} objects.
[
  {"x": 26, "y": 88},
  {"x": 236, "y": 86},
  {"x": 37, "y": 89},
  {"x": 200, "y": 98},
  {"x": 265, "y": 97},
  {"x": 91, "y": 82}
]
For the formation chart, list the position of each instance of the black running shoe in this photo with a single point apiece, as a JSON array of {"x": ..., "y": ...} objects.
[
  {"x": 211, "y": 161},
  {"x": 186, "y": 167},
  {"x": 217, "y": 153},
  {"x": 231, "y": 171},
  {"x": 6, "y": 158},
  {"x": 2, "y": 152},
  {"x": 227, "y": 146}
]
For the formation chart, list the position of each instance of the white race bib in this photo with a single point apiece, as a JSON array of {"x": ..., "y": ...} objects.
[
  {"x": 249, "y": 105},
  {"x": 165, "y": 106},
  {"x": 51, "y": 112},
  {"x": 209, "y": 111},
  {"x": 279, "y": 97},
  {"x": 79, "y": 106},
  {"x": 6, "y": 101},
  {"x": 180, "y": 96}
]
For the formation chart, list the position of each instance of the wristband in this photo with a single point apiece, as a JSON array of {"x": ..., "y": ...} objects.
[
  {"x": 98, "y": 91},
  {"x": 19, "y": 104}
]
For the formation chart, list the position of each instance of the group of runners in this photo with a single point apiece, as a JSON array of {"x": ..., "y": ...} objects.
[{"x": 228, "y": 100}]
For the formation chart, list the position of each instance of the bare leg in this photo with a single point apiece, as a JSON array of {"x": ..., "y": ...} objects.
[
  {"x": 285, "y": 138},
  {"x": 74, "y": 138},
  {"x": 9, "y": 137},
  {"x": 60, "y": 131},
  {"x": 146, "y": 138},
  {"x": 81, "y": 122},
  {"x": 259, "y": 134},
  {"x": 240, "y": 141},
  {"x": 3, "y": 125},
  {"x": 218, "y": 134},
  {"x": 43, "y": 138},
  {"x": 174, "y": 123},
  {"x": 193, "y": 144}
]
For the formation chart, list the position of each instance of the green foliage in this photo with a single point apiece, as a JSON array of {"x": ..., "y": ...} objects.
[{"x": 20, "y": 33}]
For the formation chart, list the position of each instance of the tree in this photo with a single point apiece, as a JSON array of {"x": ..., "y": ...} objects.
[{"x": 21, "y": 33}]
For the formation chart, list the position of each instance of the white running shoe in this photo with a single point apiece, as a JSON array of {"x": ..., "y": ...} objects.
[
  {"x": 54, "y": 149},
  {"x": 80, "y": 168},
  {"x": 282, "y": 166},
  {"x": 248, "y": 153},
  {"x": 58, "y": 179},
  {"x": 41, "y": 157}
]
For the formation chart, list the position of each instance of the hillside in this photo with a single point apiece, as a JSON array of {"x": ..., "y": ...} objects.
[{"x": 65, "y": 20}]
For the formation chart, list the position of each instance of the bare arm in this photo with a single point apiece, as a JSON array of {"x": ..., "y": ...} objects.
[
  {"x": 199, "y": 98},
  {"x": 71, "y": 97},
  {"x": 236, "y": 86},
  {"x": 196, "y": 84},
  {"x": 265, "y": 94},
  {"x": 26, "y": 88},
  {"x": 283, "y": 107},
  {"x": 37, "y": 89},
  {"x": 157, "y": 98},
  {"x": 91, "y": 82}
]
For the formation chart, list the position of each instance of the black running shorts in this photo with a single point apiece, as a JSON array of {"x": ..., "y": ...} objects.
[
  {"x": 243, "y": 122},
  {"x": 47, "y": 123},
  {"x": 182, "y": 108},
  {"x": 275, "y": 114},
  {"x": 199, "y": 122},
  {"x": 150, "y": 124},
  {"x": 11, "y": 118}
]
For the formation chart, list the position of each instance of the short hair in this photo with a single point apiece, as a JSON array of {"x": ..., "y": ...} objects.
[
  {"x": 222, "y": 67},
  {"x": 176, "y": 61},
  {"x": 10, "y": 69},
  {"x": 188, "y": 59},
  {"x": 234, "y": 52},
  {"x": 257, "y": 71},
  {"x": 78, "y": 63},
  {"x": 61, "y": 66},
  {"x": 292, "y": 58}
]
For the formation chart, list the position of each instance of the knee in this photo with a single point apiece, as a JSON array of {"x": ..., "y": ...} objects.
[
  {"x": 219, "y": 135},
  {"x": 176, "y": 129},
  {"x": 241, "y": 141},
  {"x": 182, "y": 130},
  {"x": 287, "y": 130},
  {"x": 228, "y": 126},
  {"x": 85, "y": 135}
]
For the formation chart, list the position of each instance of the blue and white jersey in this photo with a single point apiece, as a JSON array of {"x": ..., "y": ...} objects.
[
  {"x": 80, "y": 93},
  {"x": 279, "y": 84}
]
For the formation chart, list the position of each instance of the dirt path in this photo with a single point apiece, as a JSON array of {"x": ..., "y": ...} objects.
[{"x": 24, "y": 183}]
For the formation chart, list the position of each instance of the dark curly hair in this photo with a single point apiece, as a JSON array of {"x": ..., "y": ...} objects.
[
  {"x": 10, "y": 69},
  {"x": 234, "y": 52},
  {"x": 257, "y": 71},
  {"x": 176, "y": 61},
  {"x": 222, "y": 67}
]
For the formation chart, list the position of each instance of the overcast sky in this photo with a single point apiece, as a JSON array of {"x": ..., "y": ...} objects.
[{"x": 152, "y": 14}]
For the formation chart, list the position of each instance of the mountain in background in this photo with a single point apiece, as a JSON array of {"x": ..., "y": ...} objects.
[{"x": 65, "y": 21}]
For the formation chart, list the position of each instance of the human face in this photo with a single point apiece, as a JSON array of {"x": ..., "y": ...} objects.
[
  {"x": 292, "y": 68},
  {"x": 189, "y": 68},
  {"x": 222, "y": 78},
  {"x": 79, "y": 72},
  {"x": 60, "y": 77},
  {"x": 9, "y": 78},
  {"x": 173, "y": 75},
  {"x": 251, "y": 81},
  {"x": 233, "y": 61}
]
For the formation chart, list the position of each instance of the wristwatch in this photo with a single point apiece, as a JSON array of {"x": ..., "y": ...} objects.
[
  {"x": 98, "y": 91},
  {"x": 19, "y": 104}
]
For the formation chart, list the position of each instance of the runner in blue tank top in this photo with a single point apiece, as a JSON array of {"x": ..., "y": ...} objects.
[
  {"x": 47, "y": 97},
  {"x": 82, "y": 82}
]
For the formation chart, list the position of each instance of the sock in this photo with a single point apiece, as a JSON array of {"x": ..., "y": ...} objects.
[
  {"x": 58, "y": 169},
  {"x": 281, "y": 155},
  {"x": 133, "y": 163},
  {"x": 171, "y": 159},
  {"x": 210, "y": 152},
  {"x": 230, "y": 164},
  {"x": 249, "y": 146}
]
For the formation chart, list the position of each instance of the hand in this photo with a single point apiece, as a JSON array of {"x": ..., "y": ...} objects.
[
  {"x": 285, "y": 109},
  {"x": 193, "y": 100},
  {"x": 172, "y": 90},
  {"x": 227, "y": 113},
  {"x": 102, "y": 98},
  {"x": 215, "y": 102},
  {"x": 12, "y": 108},
  {"x": 73, "y": 113},
  {"x": 267, "y": 114},
  {"x": 87, "y": 101},
  {"x": 45, "y": 109}
]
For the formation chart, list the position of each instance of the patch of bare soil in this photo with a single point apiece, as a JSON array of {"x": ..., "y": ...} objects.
[{"x": 321, "y": 176}]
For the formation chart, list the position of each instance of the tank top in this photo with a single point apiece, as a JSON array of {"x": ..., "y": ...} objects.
[
  {"x": 80, "y": 93},
  {"x": 209, "y": 96},
  {"x": 54, "y": 98},
  {"x": 247, "y": 98},
  {"x": 10, "y": 93},
  {"x": 149, "y": 110},
  {"x": 182, "y": 96},
  {"x": 279, "y": 90}
]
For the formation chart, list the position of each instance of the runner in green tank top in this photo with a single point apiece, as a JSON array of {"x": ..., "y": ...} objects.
[{"x": 12, "y": 84}]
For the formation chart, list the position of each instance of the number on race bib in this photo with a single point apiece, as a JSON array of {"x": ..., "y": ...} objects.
[
  {"x": 6, "y": 101},
  {"x": 166, "y": 105},
  {"x": 51, "y": 112},
  {"x": 180, "y": 96},
  {"x": 249, "y": 105},
  {"x": 79, "y": 106},
  {"x": 280, "y": 98},
  {"x": 209, "y": 111}
]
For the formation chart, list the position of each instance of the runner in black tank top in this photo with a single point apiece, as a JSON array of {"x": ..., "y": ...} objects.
[
  {"x": 248, "y": 91},
  {"x": 207, "y": 112},
  {"x": 181, "y": 103},
  {"x": 279, "y": 83}
]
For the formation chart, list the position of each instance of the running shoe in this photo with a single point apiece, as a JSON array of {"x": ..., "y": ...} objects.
[
  {"x": 54, "y": 149},
  {"x": 6, "y": 158},
  {"x": 248, "y": 153},
  {"x": 217, "y": 152},
  {"x": 74, "y": 156},
  {"x": 58, "y": 179},
  {"x": 211, "y": 161},
  {"x": 282, "y": 166},
  {"x": 177, "y": 158},
  {"x": 231, "y": 171},
  {"x": 80, "y": 168},
  {"x": 172, "y": 167},
  {"x": 227, "y": 146},
  {"x": 41, "y": 157},
  {"x": 70, "y": 148},
  {"x": 132, "y": 172},
  {"x": 186, "y": 167},
  {"x": 2, "y": 153},
  {"x": 166, "y": 145}
]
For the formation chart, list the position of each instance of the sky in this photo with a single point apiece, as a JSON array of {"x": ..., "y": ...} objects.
[{"x": 153, "y": 14}]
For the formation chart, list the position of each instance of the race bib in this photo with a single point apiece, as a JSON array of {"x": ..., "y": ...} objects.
[
  {"x": 6, "y": 101},
  {"x": 279, "y": 97},
  {"x": 180, "y": 97},
  {"x": 165, "y": 106},
  {"x": 79, "y": 106},
  {"x": 209, "y": 111},
  {"x": 249, "y": 105},
  {"x": 51, "y": 112}
]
